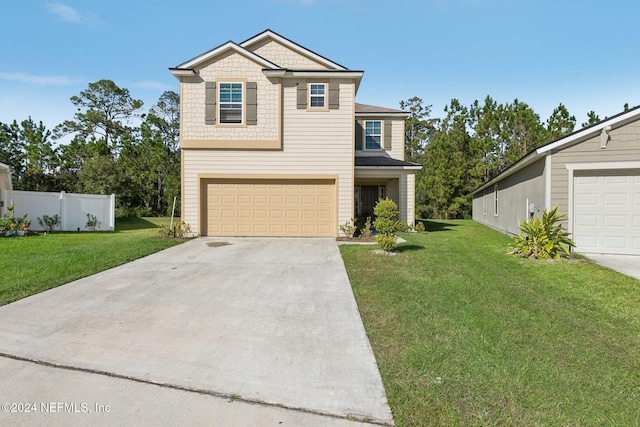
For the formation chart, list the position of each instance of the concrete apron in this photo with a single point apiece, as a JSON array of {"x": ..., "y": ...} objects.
[{"x": 272, "y": 321}]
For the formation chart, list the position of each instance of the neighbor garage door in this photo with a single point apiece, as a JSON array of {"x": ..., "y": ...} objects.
[
  {"x": 269, "y": 207},
  {"x": 607, "y": 212}
]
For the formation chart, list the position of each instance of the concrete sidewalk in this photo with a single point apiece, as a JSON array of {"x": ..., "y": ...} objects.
[{"x": 272, "y": 321}]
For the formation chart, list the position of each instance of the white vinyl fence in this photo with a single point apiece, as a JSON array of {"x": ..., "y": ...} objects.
[{"x": 70, "y": 207}]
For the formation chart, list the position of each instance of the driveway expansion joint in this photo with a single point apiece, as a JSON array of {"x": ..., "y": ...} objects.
[{"x": 231, "y": 397}]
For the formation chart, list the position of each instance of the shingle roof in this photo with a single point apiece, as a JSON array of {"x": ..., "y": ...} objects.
[
  {"x": 364, "y": 108},
  {"x": 381, "y": 161}
]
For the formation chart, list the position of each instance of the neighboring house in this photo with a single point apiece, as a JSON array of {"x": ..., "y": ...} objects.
[
  {"x": 593, "y": 175},
  {"x": 274, "y": 144},
  {"x": 5, "y": 185}
]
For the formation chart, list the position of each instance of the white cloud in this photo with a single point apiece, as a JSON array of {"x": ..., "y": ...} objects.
[
  {"x": 38, "y": 80},
  {"x": 69, "y": 14}
]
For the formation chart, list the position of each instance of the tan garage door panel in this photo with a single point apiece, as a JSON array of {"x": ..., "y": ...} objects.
[{"x": 278, "y": 207}]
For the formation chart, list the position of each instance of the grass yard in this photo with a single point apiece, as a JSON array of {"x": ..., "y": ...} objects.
[
  {"x": 465, "y": 335},
  {"x": 33, "y": 264}
]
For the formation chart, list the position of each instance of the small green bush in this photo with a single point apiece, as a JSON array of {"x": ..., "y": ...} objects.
[
  {"x": 386, "y": 223},
  {"x": 49, "y": 223},
  {"x": 386, "y": 242},
  {"x": 543, "y": 237},
  {"x": 179, "y": 230},
  {"x": 92, "y": 222},
  {"x": 419, "y": 227},
  {"x": 349, "y": 228},
  {"x": 365, "y": 231}
]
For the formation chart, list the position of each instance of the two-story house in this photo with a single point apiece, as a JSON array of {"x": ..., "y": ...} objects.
[{"x": 274, "y": 144}]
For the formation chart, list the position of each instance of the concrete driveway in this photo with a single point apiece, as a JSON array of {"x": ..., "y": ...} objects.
[
  {"x": 625, "y": 264},
  {"x": 251, "y": 330}
]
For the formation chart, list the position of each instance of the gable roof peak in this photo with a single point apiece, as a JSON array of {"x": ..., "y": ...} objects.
[
  {"x": 230, "y": 45},
  {"x": 270, "y": 34}
]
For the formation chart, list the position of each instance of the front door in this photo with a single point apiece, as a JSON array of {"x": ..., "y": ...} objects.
[{"x": 368, "y": 198}]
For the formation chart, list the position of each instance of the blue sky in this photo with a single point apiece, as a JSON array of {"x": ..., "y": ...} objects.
[{"x": 585, "y": 54}]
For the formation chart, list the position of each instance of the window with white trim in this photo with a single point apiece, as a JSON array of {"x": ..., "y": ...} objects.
[
  {"x": 495, "y": 200},
  {"x": 230, "y": 102},
  {"x": 372, "y": 135},
  {"x": 317, "y": 95}
]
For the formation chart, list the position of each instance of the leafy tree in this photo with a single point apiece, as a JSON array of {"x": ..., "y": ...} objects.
[
  {"x": 11, "y": 151},
  {"x": 26, "y": 147},
  {"x": 104, "y": 111},
  {"x": 592, "y": 118},
  {"x": 560, "y": 123},
  {"x": 521, "y": 132},
  {"x": 416, "y": 127},
  {"x": 447, "y": 172}
]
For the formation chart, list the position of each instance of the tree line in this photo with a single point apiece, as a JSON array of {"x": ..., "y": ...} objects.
[
  {"x": 471, "y": 145},
  {"x": 107, "y": 153}
]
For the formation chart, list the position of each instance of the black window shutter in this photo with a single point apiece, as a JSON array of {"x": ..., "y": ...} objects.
[
  {"x": 210, "y": 103},
  {"x": 252, "y": 103}
]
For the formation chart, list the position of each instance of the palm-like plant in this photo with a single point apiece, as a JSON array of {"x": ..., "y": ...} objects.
[{"x": 543, "y": 237}]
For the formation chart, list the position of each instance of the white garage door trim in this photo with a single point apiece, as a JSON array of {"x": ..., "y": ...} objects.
[
  {"x": 601, "y": 169},
  {"x": 280, "y": 214}
]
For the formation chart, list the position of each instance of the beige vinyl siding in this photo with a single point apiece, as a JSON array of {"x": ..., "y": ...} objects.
[
  {"x": 233, "y": 66},
  {"x": 284, "y": 57},
  {"x": 400, "y": 187},
  {"x": 623, "y": 146},
  {"x": 397, "y": 138},
  {"x": 313, "y": 144},
  {"x": 513, "y": 192}
]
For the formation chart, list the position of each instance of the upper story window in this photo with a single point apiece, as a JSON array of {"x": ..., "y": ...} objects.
[
  {"x": 317, "y": 95},
  {"x": 230, "y": 102},
  {"x": 495, "y": 200},
  {"x": 372, "y": 135}
]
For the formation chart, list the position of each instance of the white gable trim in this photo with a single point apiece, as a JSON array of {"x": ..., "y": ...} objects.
[
  {"x": 588, "y": 132},
  {"x": 192, "y": 63},
  {"x": 268, "y": 34}
]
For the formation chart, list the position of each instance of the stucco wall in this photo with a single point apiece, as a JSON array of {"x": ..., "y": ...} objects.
[{"x": 513, "y": 192}]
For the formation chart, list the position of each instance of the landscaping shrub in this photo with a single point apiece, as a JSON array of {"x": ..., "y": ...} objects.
[
  {"x": 49, "y": 223},
  {"x": 543, "y": 237},
  {"x": 386, "y": 223},
  {"x": 349, "y": 228}
]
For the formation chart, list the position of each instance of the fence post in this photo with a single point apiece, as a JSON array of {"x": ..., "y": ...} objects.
[
  {"x": 62, "y": 225},
  {"x": 112, "y": 213}
]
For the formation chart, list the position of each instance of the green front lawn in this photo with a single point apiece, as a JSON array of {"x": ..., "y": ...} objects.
[
  {"x": 465, "y": 335},
  {"x": 29, "y": 265}
]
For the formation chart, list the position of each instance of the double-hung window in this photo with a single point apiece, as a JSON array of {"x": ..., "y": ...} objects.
[
  {"x": 230, "y": 102},
  {"x": 317, "y": 95},
  {"x": 372, "y": 135}
]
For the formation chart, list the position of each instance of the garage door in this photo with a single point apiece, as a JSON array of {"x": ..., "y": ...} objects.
[
  {"x": 607, "y": 212},
  {"x": 274, "y": 207}
]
